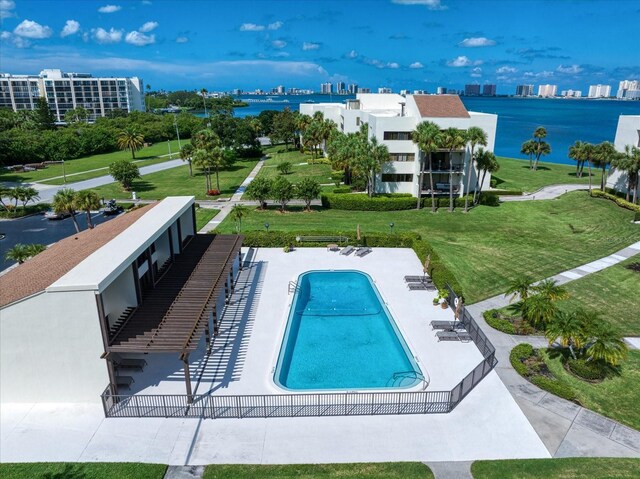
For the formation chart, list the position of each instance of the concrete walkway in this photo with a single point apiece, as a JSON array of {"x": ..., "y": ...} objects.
[
  {"x": 546, "y": 193},
  {"x": 565, "y": 428}
]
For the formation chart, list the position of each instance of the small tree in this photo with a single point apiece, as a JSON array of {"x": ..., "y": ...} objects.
[
  {"x": 64, "y": 201},
  {"x": 282, "y": 191},
  {"x": 124, "y": 172},
  {"x": 186, "y": 154},
  {"x": 519, "y": 287},
  {"x": 87, "y": 200},
  {"x": 238, "y": 212},
  {"x": 19, "y": 252},
  {"x": 284, "y": 168},
  {"x": 259, "y": 189},
  {"x": 308, "y": 190}
]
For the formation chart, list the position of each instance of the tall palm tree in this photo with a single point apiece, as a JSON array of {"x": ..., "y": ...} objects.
[
  {"x": 606, "y": 346},
  {"x": 238, "y": 212},
  {"x": 542, "y": 147},
  {"x": 603, "y": 154},
  {"x": 26, "y": 194},
  {"x": 452, "y": 139},
  {"x": 519, "y": 287},
  {"x": 427, "y": 136},
  {"x": 377, "y": 155},
  {"x": 130, "y": 139},
  {"x": 529, "y": 148},
  {"x": 87, "y": 200},
  {"x": 576, "y": 153},
  {"x": 203, "y": 92},
  {"x": 474, "y": 136},
  {"x": 567, "y": 327},
  {"x": 64, "y": 201},
  {"x": 487, "y": 163},
  {"x": 588, "y": 151},
  {"x": 186, "y": 154},
  {"x": 5, "y": 192},
  {"x": 551, "y": 289}
]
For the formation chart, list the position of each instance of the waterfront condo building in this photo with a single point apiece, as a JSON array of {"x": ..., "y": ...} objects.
[
  {"x": 599, "y": 91},
  {"x": 547, "y": 91},
  {"x": 66, "y": 91},
  {"x": 472, "y": 90},
  {"x": 629, "y": 90},
  {"x": 488, "y": 90},
  {"x": 326, "y": 88},
  {"x": 524, "y": 90},
  {"x": 391, "y": 118}
]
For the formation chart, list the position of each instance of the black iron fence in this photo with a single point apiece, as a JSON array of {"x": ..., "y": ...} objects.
[{"x": 313, "y": 404}]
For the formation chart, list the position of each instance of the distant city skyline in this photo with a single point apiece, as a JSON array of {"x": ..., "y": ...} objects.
[{"x": 397, "y": 44}]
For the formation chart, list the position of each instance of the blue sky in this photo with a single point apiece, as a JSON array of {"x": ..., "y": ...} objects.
[{"x": 414, "y": 44}]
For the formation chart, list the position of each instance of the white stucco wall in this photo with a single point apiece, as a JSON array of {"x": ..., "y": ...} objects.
[
  {"x": 186, "y": 224},
  {"x": 119, "y": 295},
  {"x": 50, "y": 347},
  {"x": 627, "y": 133}
]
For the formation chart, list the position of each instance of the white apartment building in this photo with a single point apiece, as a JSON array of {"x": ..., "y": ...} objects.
[
  {"x": 627, "y": 133},
  {"x": 599, "y": 91},
  {"x": 571, "y": 93},
  {"x": 392, "y": 118},
  {"x": 629, "y": 90},
  {"x": 547, "y": 91},
  {"x": 65, "y": 91}
]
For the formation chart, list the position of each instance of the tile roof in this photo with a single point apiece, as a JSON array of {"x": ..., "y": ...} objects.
[
  {"x": 440, "y": 106},
  {"x": 39, "y": 272}
]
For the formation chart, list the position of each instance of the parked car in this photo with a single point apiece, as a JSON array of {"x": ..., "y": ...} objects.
[
  {"x": 52, "y": 215},
  {"x": 111, "y": 208}
]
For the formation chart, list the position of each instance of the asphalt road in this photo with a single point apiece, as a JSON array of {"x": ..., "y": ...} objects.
[{"x": 37, "y": 229}]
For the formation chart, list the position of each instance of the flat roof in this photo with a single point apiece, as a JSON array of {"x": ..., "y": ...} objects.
[{"x": 100, "y": 268}]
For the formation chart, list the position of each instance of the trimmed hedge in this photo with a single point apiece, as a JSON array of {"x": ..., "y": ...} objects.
[
  {"x": 502, "y": 192},
  {"x": 361, "y": 202},
  {"x": 342, "y": 190},
  {"x": 519, "y": 354},
  {"x": 554, "y": 387},
  {"x": 492, "y": 319},
  {"x": 619, "y": 201},
  {"x": 589, "y": 370}
]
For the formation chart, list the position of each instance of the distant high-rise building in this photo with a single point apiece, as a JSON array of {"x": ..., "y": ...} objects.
[
  {"x": 280, "y": 90},
  {"x": 488, "y": 90},
  {"x": 547, "y": 91},
  {"x": 571, "y": 93},
  {"x": 524, "y": 90},
  {"x": 629, "y": 90},
  {"x": 599, "y": 91},
  {"x": 326, "y": 88},
  {"x": 420, "y": 92},
  {"x": 236, "y": 91},
  {"x": 340, "y": 86},
  {"x": 353, "y": 89},
  {"x": 384, "y": 89},
  {"x": 441, "y": 90},
  {"x": 404, "y": 92},
  {"x": 364, "y": 90},
  {"x": 472, "y": 90}
]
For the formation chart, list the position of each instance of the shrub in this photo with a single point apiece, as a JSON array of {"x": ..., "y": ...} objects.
[
  {"x": 619, "y": 201},
  {"x": 493, "y": 182},
  {"x": 259, "y": 189},
  {"x": 213, "y": 192},
  {"x": 362, "y": 202},
  {"x": 284, "y": 168},
  {"x": 637, "y": 216},
  {"x": 489, "y": 200},
  {"x": 554, "y": 386},
  {"x": 337, "y": 176},
  {"x": 519, "y": 354},
  {"x": 342, "y": 190},
  {"x": 124, "y": 172},
  {"x": 502, "y": 193},
  {"x": 589, "y": 370},
  {"x": 496, "y": 322}
]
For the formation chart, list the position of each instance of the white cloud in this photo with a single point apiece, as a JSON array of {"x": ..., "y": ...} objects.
[
  {"x": 506, "y": 69},
  {"x": 102, "y": 36},
  {"x": 70, "y": 28},
  {"x": 182, "y": 40},
  {"x": 416, "y": 65},
  {"x": 31, "y": 29},
  {"x": 461, "y": 61},
  {"x": 139, "y": 39},
  {"x": 477, "y": 42},
  {"x": 393, "y": 65},
  {"x": 352, "y": 54},
  {"x": 281, "y": 54},
  {"x": 430, "y": 4},
  {"x": 18, "y": 42},
  {"x": 310, "y": 46},
  {"x": 275, "y": 25},
  {"x": 147, "y": 27},
  {"x": 109, "y": 8},
  {"x": 571, "y": 69},
  {"x": 380, "y": 64},
  {"x": 5, "y": 35},
  {"x": 476, "y": 72},
  {"x": 251, "y": 27},
  {"x": 6, "y": 8},
  {"x": 278, "y": 44}
]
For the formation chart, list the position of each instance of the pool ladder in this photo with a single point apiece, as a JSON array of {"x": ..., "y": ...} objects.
[
  {"x": 293, "y": 287},
  {"x": 415, "y": 374}
]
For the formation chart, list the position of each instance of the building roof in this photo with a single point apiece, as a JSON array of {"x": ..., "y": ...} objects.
[
  {"x": 440, "y": 106},
  {"x": 41, "y": 271}
]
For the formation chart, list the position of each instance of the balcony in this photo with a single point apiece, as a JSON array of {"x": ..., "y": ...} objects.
[{"x": 443, "y": 167}]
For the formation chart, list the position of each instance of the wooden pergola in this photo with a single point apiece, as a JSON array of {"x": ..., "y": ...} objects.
[{"x": 175, "y": 313}]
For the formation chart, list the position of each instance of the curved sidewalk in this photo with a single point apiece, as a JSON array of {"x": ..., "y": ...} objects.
[
  {"x": 565, "y": 428},
  {"x": 546, "y": 193}
]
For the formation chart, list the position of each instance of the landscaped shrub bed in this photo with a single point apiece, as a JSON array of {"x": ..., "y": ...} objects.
[
  {"x": 507, "y": 323},
  {"x": 361, "y": 202},
  {"x": 589, "y": 370},
  {"x": 503, "y": 192},
  {"x": 619, "y": 201}
]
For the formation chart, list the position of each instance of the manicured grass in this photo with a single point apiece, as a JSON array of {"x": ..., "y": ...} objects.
[
  {"x": 320, "y": 172},
  {"x": 616, "y": 397},
  {"x": 489, "y": 247},
  {"x": 516, "y": 175},
  {"x": 390, "y": 470},
  {"x": 90, "y": 163},
  {"x": 78, "y": 470},
  {"x": 177, "y": 182},
  {"x": 203, "y": 216},
  {"x": 564, "y": 468}
]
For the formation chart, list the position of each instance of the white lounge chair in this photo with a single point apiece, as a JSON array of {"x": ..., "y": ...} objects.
[{"x": 347, "y": 250}]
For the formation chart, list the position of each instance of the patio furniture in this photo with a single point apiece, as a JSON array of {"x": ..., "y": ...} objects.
[
  {"x": 418, "y": 279},
  {"x": 447, "y": 325},
  {"x": 464, "y": 336},
  {"x": 421, "y": 287},
  {"x": 360, "y": 252},
  {"x": 447, "y": 336},
  {"x": 346, "y": 251},
  {"x": 333, "y": 247}
]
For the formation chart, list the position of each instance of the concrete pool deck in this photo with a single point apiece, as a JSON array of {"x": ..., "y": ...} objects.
[{"x": 487, "y": 424}]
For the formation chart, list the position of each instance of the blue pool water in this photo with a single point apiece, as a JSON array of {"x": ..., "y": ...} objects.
[{"x": 340, "y": 335}]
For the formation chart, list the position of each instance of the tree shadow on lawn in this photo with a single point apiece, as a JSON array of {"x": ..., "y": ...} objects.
[
  {"x": 540, "y": 167},
  {"x": 141, "y": 186}
]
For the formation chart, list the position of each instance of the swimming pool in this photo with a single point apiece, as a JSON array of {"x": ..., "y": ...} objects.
[{"x": 340, "y": 335}]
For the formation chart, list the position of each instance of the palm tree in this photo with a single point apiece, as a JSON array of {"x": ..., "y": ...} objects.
[
  {"x": 64, "y": 202},
  {"x": 186, "y": 153},
  {"x": 487, "y": 163},
  {"x": 603, "y": 154},
  {"x": 87, "y": 200},
  {"x": 541, "y": 146},
  {"x": 606, "y": 346},
  {"x": 568, "y": 327},
  {"x": 377, "y": 155},
  {"x": 19, "y": 253},
  {"x": 203, "y": 92},
  {"x": 529, "y": 148},
  {"x": 576, "y": 153},
  {"x": 629, "y": 162},
  {"x": 5, "y": 192},
  {"x": 519, "y": 287},
  {"x": 588, "y": 151},
  {"x": 474, "y": 136},
  {"x": 237, "y": 213},
  {"x": 538, "y": 310},
  {"x": 26, "y": 194},
  {"x": 551, "y": 289},
  {"x": 452, "y": 139},
  {"x": 35, "y": 248},
  {"x": 130, "y": 139},
  {"x": 427, "y": 136}
]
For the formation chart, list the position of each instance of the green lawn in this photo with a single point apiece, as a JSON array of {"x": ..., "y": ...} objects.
[
  {"x": 516, "y": 175},
  {"x": 390, "y": 470},
  {"x": 203, "y": 216},
  {"x": 616, "y": 397},
  {"x": 177, "y": 182},
  {"x": 90, "y": 163},
  {"x": 299, "y": 163},
  {"x": 79, "y": 470},
  {"x": 489, "y": 247},
  {"x": 565, "y": 468}
]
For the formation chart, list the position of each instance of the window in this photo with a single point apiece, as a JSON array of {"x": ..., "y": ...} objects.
[
  {"x": 398, "y": 135},
  {"x": 397, "y": 178},
  {"x": 402, "y": 157},
  {"x": 357, "y": 121}
]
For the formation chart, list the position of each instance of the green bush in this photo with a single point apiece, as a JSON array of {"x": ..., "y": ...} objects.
[
  {"x": 496, "y": 322},
  {"x": 619, "y": 201},
  {"x": 489, "y": 199},
  {"x": 361, "y": 202},
  {"x": 502, "y": 192},
  {"x": 554, "y": 386},
  {"x": 589, "y": 370},
  {"x": 517, "y": 355},
  {"x": 637, "y": 216},
  {"x": 342, "y": 190}
]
